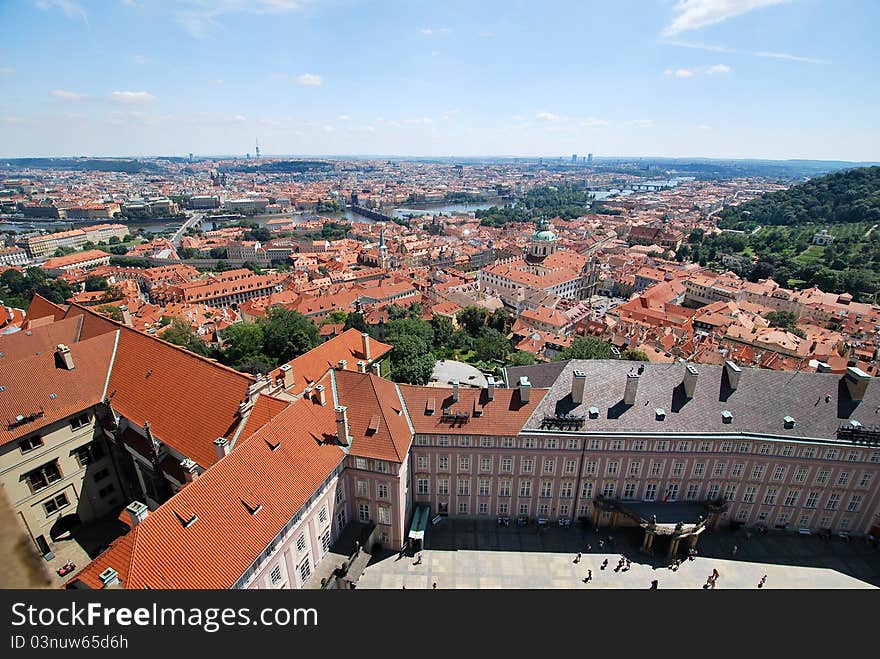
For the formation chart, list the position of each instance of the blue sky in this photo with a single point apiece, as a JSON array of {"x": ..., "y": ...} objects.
[{"x": 713, "y": 78}]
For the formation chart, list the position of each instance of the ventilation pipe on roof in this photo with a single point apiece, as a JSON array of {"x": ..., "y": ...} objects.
[
  {"x": 632, "y": 386},
  {"x": 823, "y": 367},
  {"x": 455, "y": 391},
  {"x": 137, "y": 512},
  {"x": 366, "y": 345},
  {"x": 733, "y": 372},
  {"x": 342, "y": 425},
  {"x": 377, "y": 369},
  {"x": 578, "y": 380},
  {"x": 63, "y": 357},
  {"x": 342, "y": 364},
  {"x": 856, "y": 382},
  {"x": 490, "y": 388},
  {"x": 190, "y": 469},
  {"x": 126, "y": 315},
  {"x": 221, "y": 444},
  {"x": 525, "y": 389},
  {"x": 362, "y": 367},
  {"x": 690, "y": 380},
  {"x": 287, "y": 374},
  {"x": 320, "y": 394},
  {"x": 109, "y": 578}
]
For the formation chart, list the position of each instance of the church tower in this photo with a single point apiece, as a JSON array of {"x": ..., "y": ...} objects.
[{"x": 543, "y": 242}]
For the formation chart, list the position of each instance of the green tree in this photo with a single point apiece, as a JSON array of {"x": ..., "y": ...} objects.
[
  {"x": 586, "y": 347},
  {"x": 443, "y": 329},
  {"x": 181, "y": 333},
  {"x": 242, "y": 341},
  {"x": 521, "y": 358},
  {"x": 411, "y": 360},
  {"x": 491, "y": 345},
  {"x": 356, "y": 320},
  {"x": 96, "y": 283},
  {"x": 110, "y": 311},
  {"x": 634, "y": 355},
  {"x": 781, "y": 319},
  {"x": 335, "y": 317},
  {"x": 473, "y": 319},
  {"x": 409, "y": 327},
  {"x": 500, "y": 320},
  {"x": 287, "y": 334}
]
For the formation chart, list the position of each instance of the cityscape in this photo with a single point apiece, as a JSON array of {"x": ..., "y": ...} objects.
[{"x": 291, "y": 328}]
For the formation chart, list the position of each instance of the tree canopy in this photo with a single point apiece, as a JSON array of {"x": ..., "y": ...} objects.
[{"x": 586, "y": 347}]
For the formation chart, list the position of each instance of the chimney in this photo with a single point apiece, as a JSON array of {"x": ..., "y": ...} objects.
[
  {"x": 287, "y": 374},
  {"x": 126, "y": 314},
  {"x": 342, "y": 425},
  {"x": 856, "y": 382},
  {"x": 63, "y": 358},
  {"x": 221, "y": 444},
  {"x": 690, "y": 380},
  {"x": 137, "y": 512},
  {"x": 578, "y": 380},
  {"x": 525, "y": 389},
  {"x": 733, "y": 372},
  {"x": 455, "y": 391},
  {"x": 109, "y": 578},
  {"x": 632, "y": 385},
  {"x": 377, "y": 369},
  {"x": 342, "y": 364},
  {"x": 490, "y": 388},
  {"x": 321, "y": 395},
  {"x": 366, "y": 345},
  {"x": 190, "y": 469},
  {"x": 362, "y": 367},
  {"x": 823, "y": 367}
]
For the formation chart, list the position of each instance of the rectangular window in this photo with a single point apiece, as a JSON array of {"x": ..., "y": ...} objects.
[
  {"x": 770, "y": 496},
  {"x": 485, "y": 487},
  {"x": 504, "y": 488},
  {"x": 325, "y": 541},
  {"x": 757, "y": 472},
  {"x": 638, "y": 445},
  {"x": 661, "y": 446},
  {"x": 615, "y": 445},
  {"x": 765, "y": 449},
  {"x": 88, "y": 453},
  {"x": 573, "y": 444},
  {"x": 529, "y": 442},
  {"x": 613, "y": 468},
  {"x": 719, "y": 469},
  {"x": 592, "y": 466},
  {"x": 866, "y": 480},
  {"x": 363, "y": 489},
  {"x": 527, "y": 465},
  {"x": 843, "y": 479},
  {"x": 360, "y": 463},
  {"x": 422, "y": 486},
  {"x": 705, "y": 447},
  {"x": 464, "y": 487},
  {"x": 485, "y": 464},
  {"x": 853, "y": 456},
  {"x": 443, "y": 486},
  {"x": 382, "y": 491},
  {"x": 656, "y": 468},
  {"x": 699, "y": 468},
  {"x": 382, "y": 466},
  {"x": 791, "y": 498},
  {"x": 787, "y": 451},
  {"x": 443, "y": 440},
  {"x": 464, "y": 463},
  {"x": 550, "y": 443},
  {"x": 737, "y": 470},
  {"x": 80, "y": 421},
  {"x": 712, "y": 492},
  {"x": 629, "y": 491},
  {"x": 833, "y": 501},
  {"x": 487, "y": 442},
  {"x": 464, "y": 441},
  {"x": 651, "y": 492},
  {"x": 305, "y": 570},
  {"x": 443, "y": 462},
  {"x": 726, "y": 447},
  {"x": 595, "y": 445},
  {"x": 812, "y": 500},
  {"x": 364, "y": 512},
  {"x": 570, "y": 466},
  {"x": 684, "y": 447},
  {"x": 507, "y": 442},
  {"x": 484, "y": 508},
  {"x": 549, "y": 466},
  {"x": 800, "y": 475},
  {"x": 730, "y": 492},
  {"x": 55, "y": 504},
  {"x": 749, "y": 496},
  {"x": 384, "y": 515},
  {"x": 301, "y": 543},
  {"x": 587, "y": 490},
  {"x": 635, "y": 468},
  {"x": 340, "y": 491},
  {"x": 31, "y": 443},
  {"x": 101, "y": 475},
  {"x": 742, "y": 514},
  {"x": 525, "y": 488},
  {"x": 608, "y": 489},
  {"x": 503, "y": 508},
  {"x": 677, "y": 469},
  {"x": 693, "y": 491},
  {"x": 546, "y": 489},
  {"x": 543, "y": 510},
  {"x": 831, "y": 454},
  {"x": 42, "y": 477},
  {"x": 672, "y": 492},
  {"x": 809, "y": 452},
  {"x": 855, "y": 502},
  {"x": 822, "y": 477},
  {"x": 745, "y": 447},
  {"x": 423, "y": 463},
  {"x": 565, "y": 490}
]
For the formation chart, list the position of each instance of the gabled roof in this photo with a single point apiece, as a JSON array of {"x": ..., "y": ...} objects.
[
  {"x": 226, "y": 537},
  {"x": 370, "y": 399},
  {"x": 505, "y": 415},
  {"x": 39, "y": 339},
  {"x": 40, "y": 307},
  {"x": 56, "y": 393}
]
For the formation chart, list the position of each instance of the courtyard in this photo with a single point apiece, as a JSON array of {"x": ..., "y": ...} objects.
[{"x": 467, "y": 553}]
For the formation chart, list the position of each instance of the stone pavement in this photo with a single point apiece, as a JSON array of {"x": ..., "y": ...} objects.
[{"x": 479, "y": 554}]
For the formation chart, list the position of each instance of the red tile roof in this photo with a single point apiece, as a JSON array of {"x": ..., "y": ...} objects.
[{"x": 39, "y": 339}]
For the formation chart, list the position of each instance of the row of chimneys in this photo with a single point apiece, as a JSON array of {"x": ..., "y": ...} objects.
[
  {"x": 490, "y": 389},
  {"x": 287, "y": 380}
]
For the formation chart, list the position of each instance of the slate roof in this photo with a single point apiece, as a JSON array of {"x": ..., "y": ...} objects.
[{"x": 758, "y": 405}]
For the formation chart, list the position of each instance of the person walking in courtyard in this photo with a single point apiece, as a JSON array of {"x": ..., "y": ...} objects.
[
  {"x": 714, "y": 573},
  {"x": 735, "y": 549},
  {"x": 604, "y": 564},
  {"x": 653, "y": 585},
  {"x": 419, "y": 559},
  {"x": 762, "y": 581},
  {"x": 578, "y": 558},
  {"x": 601, "y": 544},
  {"x": 434, "y": 586}
]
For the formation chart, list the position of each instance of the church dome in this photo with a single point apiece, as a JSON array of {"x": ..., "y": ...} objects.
[{"x": 544, "y": 234}]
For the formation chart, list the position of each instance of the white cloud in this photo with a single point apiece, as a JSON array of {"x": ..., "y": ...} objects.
[
  {"x": 6, "y": 69},
  {"x": 343, "y": 117},
  {"x": 67, "y": 96},
  {"x": 309, "y": 80},
  {"x": 679, "y": 73},
  {"x": 430, "y": 32},
  {"x": 793, "y": 58},
  {"x": 132, "y": 97},
  {"x": 239, "y": 117},
  {"x": 199, "y": 17},
  {"x": 696, "y": 14},
  {"x": 419, "y": 121},
  {"x": 754, "y": 53},
  {"x": 717, "y": 69},
  {"x": 70, "y": 8},
  {"x": 642, "y": 123},
  {"x": 547, "y": 116},
  {"x": 589, "y": 122}
]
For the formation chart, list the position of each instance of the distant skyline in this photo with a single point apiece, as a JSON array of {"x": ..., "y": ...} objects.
[{"x": 764, "y": 79}]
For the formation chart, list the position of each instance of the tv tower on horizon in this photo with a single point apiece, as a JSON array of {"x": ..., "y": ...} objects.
[{"x": 257, "y": 149}]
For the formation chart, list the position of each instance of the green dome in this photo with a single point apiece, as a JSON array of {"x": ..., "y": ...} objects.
[{"x": 545, "y": 234}]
